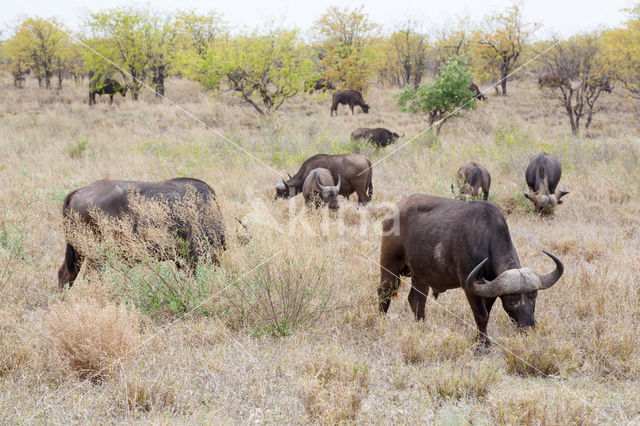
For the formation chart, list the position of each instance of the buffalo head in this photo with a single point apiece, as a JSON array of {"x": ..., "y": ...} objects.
[
  {"x": 329, "y": 193},
  {"x": 517, "y": 288},
  {"x": 365, "y": 108},
  {"x": 545, "y": 202}
]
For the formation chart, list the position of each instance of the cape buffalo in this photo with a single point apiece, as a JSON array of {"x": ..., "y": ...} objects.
[
  {"x": 542, "y": 176},
  {"x": 322, "y": 84},
  {"x": 348, "y": 97},
  {"x": 379, "y": 136},
  {"x": 475, "y": 89},
  {"x": 444, "y": 244},
  {"x": 551, "y": 81},
  {"x": 601, "y": 82},
  {"x": 471, "y": 178},
  {"x": 108, "y": 86},
  {"x": 319, "y": 188},
  {"x": 354, "y": 169},
  {"x": 199, "y": 225}
]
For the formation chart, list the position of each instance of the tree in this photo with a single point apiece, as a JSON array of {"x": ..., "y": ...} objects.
[
  {"x": 343, "y": 46},
  {"x": 621, "y": 53},
  {"x": 272, "y": 67},
  {"x": 195, "y": 35},
  {"x": 37, "y": 45},
  {"x": 578, "y": 76},
  {"x": 410, "y": 48},
  {"x": 121, "y": 40},
  {"x": 498, "y": 50},
  {"x": 445, "y": 98}
]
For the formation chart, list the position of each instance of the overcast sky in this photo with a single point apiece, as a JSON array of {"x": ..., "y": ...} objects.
[{"x": 559, "y": 16}]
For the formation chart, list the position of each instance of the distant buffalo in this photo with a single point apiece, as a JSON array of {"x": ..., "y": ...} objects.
[
  {"x": 601, "y": 82},
  {"x": 348, "y": 97},
  {"x": 322, "y": 84},
  {"x": 319, "y": 188},
  {"x": 551, "y": 81},
  {"x": 475, "y": 89},
  {"x": 353, "y": 170},
  {"x": 379, "y": 136},
  {"x": 108, "y": 86},
  {"x": 542, "y": 176},
  {"x": 472, "y": 177},
  {"x": 197, "y": 227}
]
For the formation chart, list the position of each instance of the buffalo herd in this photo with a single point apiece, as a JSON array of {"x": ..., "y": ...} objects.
[{"x": 440, "y": 243}]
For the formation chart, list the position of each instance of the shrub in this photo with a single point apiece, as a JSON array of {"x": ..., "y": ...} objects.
[
  {"x": 76, "y": 149},
  {"x": 280, "y": 296},
  {"x": 92, "y": 340}
]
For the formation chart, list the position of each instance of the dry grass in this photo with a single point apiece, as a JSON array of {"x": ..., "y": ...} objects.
[
  {"x": 93, "y": 341},
  {"x": 219, "y": 359}
]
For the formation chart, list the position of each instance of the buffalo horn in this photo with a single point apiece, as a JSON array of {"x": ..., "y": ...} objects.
[
  {"x": 320, "y": 185},
  {"x": 550, "y": 279},
  {"x": 339, "y": 182}
]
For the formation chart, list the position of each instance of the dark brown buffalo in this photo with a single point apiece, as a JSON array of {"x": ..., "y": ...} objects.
[
  {"x": 551, "y": 81},
  {"x": 444, "y": 244},
  {"x": 108, "y": 86},
  {"x": 601, "y": 82},
  {"x": 379, "y": 136},
  {"x": 354, "y": 170},
  {"x": 204, "y": 235},
  {"x": 319, "y": 188},
  {"x": 322, "y": 84},
  {"x": 475, "y": 89},
  {"x": 472, "y": 177},
  {"x": 348, "y": 97},
  {"x": 542, "y": 176}
]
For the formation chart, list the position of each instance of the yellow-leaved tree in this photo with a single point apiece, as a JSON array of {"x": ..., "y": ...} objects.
[
  {"x": 343, "y": 46},
  {"x": 38, "y": 45},
  {"x": 497, "y": 50},
  {"x": 621, "y": 52}
]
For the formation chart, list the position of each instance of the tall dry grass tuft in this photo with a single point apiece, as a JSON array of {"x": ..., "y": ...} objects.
[
  {"x": 535, "y": 354},
  {"x": 92, "y": 339},
  {"x": 541, "y": 407},
  {"x": 333, "y": 385},
  {"x": 471, "y": 381}
]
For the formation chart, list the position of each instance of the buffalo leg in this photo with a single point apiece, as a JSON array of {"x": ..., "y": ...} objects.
[
  {"x": 363, "y": 198},
  {"x": 110, "y": 99},
  {"x": 389, "y": 283},
  {"x": 351, "y": 107},
  {"x": 480, "y": 315},
  {"x": 418, "y": 298}
]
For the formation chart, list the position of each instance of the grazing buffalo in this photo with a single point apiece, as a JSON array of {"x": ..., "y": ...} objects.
[
  {"x": 475, "y": 89},
  {"x": 379, "y": 136},
  {"x": 471, "y": 178},
  {"x": 322, "y": 84},
  {"x": 445, "y": 244},
  {"x": 108, "y": 86},
  {"x": 348, "y": 97},
  {"x": 319, "y": 188},
  {"x": 354, "y": 170},
  {"x": 601, "y": 82},
  {"x": 190, "y": 213},
  {"x": 542, "y": 176},
  {"x": 551, "y": 81}
]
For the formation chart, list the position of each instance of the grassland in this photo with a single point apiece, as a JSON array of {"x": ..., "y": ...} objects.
[{"x": 103, "y": 352}]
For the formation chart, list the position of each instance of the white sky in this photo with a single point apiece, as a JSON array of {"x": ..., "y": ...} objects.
[{"x": 559, "y": 16}]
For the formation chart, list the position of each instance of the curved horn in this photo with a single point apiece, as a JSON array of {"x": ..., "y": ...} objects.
[
  {"x": 550, "y": 279},
  {"x": 289, "y": 174},
  {"x": 339, "y": 182},
  {"x": 470, "y": 283},
  {"x": 286, "y": 185},
  {"x": 320, "y": 185},
  {"x": 512, "y": 281}
]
